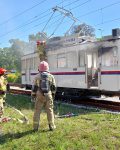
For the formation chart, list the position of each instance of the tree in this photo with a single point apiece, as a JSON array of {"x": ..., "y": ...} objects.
[
  {"x": 83, "y": 30},
  {"x": 17, "y": 49},
  {"x": 11, "y": 56},
  {"x": 9, "y": 59}
]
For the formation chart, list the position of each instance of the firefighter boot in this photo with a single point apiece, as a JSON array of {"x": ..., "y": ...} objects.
[{"x": 51, "y": 128}]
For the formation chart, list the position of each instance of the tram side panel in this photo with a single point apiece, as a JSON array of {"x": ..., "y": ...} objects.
[
  {"x": 109, "y": 66},
  {"x": 68, "y": 65},
  {"x": 29, "y": 68},
  {"x": 67, "y": 71}
]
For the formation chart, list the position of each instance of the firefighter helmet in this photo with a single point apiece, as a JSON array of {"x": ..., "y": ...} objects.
[
  {"x": 2, "y": 71},
  {"x": 43, "y": 66}
]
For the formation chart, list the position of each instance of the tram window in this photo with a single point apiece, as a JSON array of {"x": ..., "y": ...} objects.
[
  {"x": 61, "y": 60},
  {"x": 72, "y": 60},
  {"x": 82, "y": 59},
  {"x": 52, "y": 61},
  {"x": 109, "y": 57}
]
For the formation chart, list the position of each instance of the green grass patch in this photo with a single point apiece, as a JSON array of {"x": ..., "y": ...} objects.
[{"x": 92, "y": 129}]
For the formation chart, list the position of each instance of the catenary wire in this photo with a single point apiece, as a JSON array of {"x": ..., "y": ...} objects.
[
  {"x": 100, "y": 9},
  {"x": 35, "y": 20},
  {"x": 23, "y": 25},
  {"x": 26, "y": 10},
  {"x": 23, "y": 12}
]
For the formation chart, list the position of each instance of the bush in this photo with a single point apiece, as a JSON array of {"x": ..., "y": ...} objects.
[{"x": 14, "y": 77}]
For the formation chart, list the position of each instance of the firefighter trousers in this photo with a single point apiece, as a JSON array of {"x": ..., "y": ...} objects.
[
  {"x": 45, "y": 101},
  {"x": 1, "y": 105}
]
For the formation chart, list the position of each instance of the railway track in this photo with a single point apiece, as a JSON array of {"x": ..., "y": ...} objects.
[
  {"x": 109, "y": 105},
  {"x": 20, "y": 91},
  {"x": 94, "y": 102}
]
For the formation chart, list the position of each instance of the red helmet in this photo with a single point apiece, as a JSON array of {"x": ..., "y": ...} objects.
[
  {"x": 2, "y": 70},
  {"x": 41, "y": 43},
  {"x": 43, "y": 66}
]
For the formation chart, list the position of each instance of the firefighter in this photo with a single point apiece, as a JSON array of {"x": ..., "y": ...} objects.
[
  {"x": 3, "y": 88},
  {"x": 43, "y": 90}
]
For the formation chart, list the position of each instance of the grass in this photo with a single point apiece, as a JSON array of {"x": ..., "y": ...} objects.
[{"x": 90, "y": 130}]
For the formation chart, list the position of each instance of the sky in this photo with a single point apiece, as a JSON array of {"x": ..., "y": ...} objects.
[{"x": 18, "y": 19}]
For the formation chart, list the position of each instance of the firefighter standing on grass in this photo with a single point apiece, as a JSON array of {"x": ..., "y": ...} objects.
[
  {"x": 43, "y": 90},
  {"x": 3, "y": 88}
]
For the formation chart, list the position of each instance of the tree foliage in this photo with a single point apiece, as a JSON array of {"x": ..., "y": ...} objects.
[
  {"x": 83, "y": 30},
  {"x": 11, "y": 56}
]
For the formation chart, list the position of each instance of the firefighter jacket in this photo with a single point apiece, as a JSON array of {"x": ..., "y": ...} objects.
[
  {"x": 37, "y": 80},
  {"x": 3, "y": 84}
]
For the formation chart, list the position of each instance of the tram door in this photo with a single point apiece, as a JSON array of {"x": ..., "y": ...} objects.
[{"x": 92, "y": 69}]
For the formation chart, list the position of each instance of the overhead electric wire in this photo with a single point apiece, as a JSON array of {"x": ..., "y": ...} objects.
[
  {"x": 23, "y": 12},
  {"x": 26, "y": 10},
  {"x": 58, "y": 24},
  {"x": 57, "y": 27},
  {"x": 101, "y": 9},
  {"x": 48, "y": 21},
  {"x": 94, "y": 10},
  {"x": 50, "y": 26},
  {"x": 107, "y": 21},
  {"x": 64, "y": 6},
  {"x": 19, "y": 27},
  {"x": 81, "y": 4},
  {"x": 78, "y": 6},
  {"x": 71, "y": 3},
  {"x": 22, "y": 26}
]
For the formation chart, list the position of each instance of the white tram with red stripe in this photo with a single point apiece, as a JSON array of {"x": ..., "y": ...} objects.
[{"x": 81, "y": 65}]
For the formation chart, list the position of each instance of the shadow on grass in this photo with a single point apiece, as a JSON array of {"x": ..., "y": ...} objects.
[
  {"x": 19, "y": 101},
  {"x": 24, "y": 102},
  {"x": 66, "y": 109},
  {"x": 11, "y": 136}
]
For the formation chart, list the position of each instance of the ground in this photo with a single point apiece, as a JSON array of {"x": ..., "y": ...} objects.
[{"x": 90, "y": 129}]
